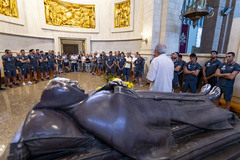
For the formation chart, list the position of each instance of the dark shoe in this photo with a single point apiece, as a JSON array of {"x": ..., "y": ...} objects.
[
  {"x": 6, "y": 85},
  {"x": 2, "y": 88},
  {"x": 42, "y": 79},
  {"x": 15, "y": 84},
  {"x": 36, "y": 81},
  {"x": 10, "y": 86},
  {"x": 47, "y": 78},
  {"x": 148, "y": 83}
]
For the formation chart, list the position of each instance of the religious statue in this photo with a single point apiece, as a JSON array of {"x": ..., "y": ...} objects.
[
  {"x": 60, "y": 13},
  {"x": 117, "y": 16},
  {"x": 9, "y": 8},
  {"x": 122, "y": 14},
  {"x": 116, "y": 123}
]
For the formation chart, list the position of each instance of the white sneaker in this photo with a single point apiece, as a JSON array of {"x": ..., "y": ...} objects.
[
  {"x": 29, "y": 82},
  {"x": 141, "y": 85},
  {"x": 24, "y": 84}
]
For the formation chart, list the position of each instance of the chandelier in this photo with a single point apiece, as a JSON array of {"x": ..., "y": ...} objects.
[{"x": 195, "y": 10}]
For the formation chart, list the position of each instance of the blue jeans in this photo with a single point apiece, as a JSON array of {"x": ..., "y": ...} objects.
[
  {"x": 127, "y": 70},
  {"x": 88, "y": 67},
  {"x": 74, "y": 65}
]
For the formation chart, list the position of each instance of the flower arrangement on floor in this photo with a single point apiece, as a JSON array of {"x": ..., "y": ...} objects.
[
  {"x": 119, "y": 81},
  {"x": 109, "y": 77}
]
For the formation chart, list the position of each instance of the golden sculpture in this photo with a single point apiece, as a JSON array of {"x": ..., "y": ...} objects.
[
  {"x": 122, "y": 14},
  {"x": 9, "y": 8},
  {"x": 60, "y": 13}
]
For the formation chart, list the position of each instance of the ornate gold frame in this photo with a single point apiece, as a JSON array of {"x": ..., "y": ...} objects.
[
  {"x": 9, "y": 8},
  {"x": 122, "y": 13},
  {"x": 60, "y": 13}
]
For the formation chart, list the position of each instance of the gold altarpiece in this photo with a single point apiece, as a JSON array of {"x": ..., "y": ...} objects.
[
  {"x": 122, "y": 14},
  {"x": 9, "y": 8},
  {"x": 60, "y": 13}
]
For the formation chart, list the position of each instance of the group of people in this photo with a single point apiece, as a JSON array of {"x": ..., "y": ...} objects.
[
  {"x": 167, "y": 74},
  {"x": 22, "y": 64},
  {"x": 119, "y": 65}
]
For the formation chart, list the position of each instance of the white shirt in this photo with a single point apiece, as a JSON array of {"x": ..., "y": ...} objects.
[
  {"x": 83, "y": 59},
  {"x": 161, "y": 74},
  {"x": 134, "y": 59},
  {"x": 75, "y": 58},
  {"x": 128, "y": 65}
]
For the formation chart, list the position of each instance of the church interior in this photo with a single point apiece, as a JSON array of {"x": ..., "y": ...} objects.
[{"x": 92, "y": 27}]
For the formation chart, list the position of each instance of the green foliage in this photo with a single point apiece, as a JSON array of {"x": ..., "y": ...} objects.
[{"x": 109, "y": 77}]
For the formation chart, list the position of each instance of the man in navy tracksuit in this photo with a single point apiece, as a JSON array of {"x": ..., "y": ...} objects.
[
  {"x": 116, "y": 59},
  {"x": 25, "y": 66},
  {"x": 191, "y": 71},
  {"x": 121, "y": 65},
  {"x": 139, "y": 63},
  {"x": 110, "y": 63},
  {"x": 177, "y": 67},
  {"x": 227, "y": 73},
  {"x": 180, "y": 72},
  {"x": 51, "y": 63},
  {"x": 10, "y": 68},
  {"x": 18, "y": 65},
  {"x": 210, "y": 68},
  {"x": 43, "y": 64},
  {"x": 34, "y": 63}
]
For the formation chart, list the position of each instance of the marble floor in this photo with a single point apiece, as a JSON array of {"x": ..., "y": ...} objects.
[{"x": 16, "y": 102}]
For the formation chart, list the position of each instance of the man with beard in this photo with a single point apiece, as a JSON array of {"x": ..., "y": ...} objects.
[
  {"x": 34, "y": 63},
  {"x": 104, "y": 60},
  {"x": 38, "y": 53},
  {"x": 60, "y": 63},
  {"x": 139, "y": 63},
  {"x": 25, "y": 67},
  {"x": 110, "y": 63},
  {"x": 43, "y": 65},
  {"x": 177, "y": 66},
  {"x": 116, "y": 59},
  {"x": 121, "y": 66},
  {"x": 18, "y": 65},
  {"x": 210, "y": 68},
  {"x": 227, "y": 73},
  {"x": 51, "y": 65},
  {"x": 180, "y": 72},
  {"x": 94, "y": 63},
  {"x": 10, "y": 68}
]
